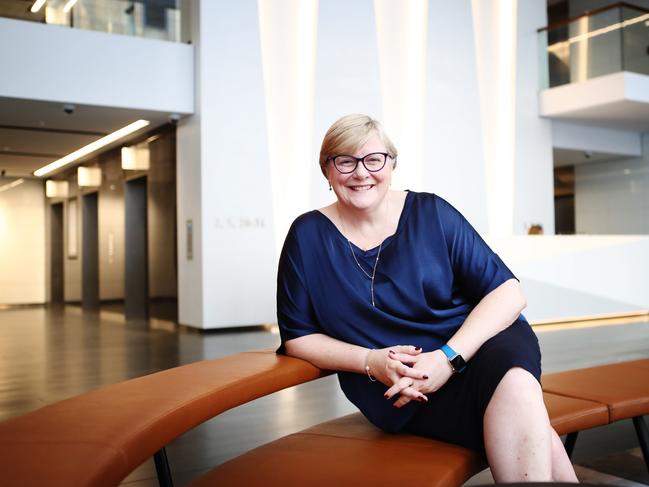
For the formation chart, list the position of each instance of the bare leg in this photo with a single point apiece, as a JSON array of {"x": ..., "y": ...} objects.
[
  {"x": 562, "y": 470},
  {"x": 517, "y": 430}
]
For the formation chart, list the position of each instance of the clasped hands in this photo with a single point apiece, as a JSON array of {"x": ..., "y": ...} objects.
[{"x": 409, "y": 372}]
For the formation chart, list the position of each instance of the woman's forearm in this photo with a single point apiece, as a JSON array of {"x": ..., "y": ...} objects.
[
  {"x": 328, "y": 353},
  {"x": 495, "y": 312}
]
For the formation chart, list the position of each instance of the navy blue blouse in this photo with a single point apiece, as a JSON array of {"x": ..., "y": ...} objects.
[{"x": 430, "y": 275}]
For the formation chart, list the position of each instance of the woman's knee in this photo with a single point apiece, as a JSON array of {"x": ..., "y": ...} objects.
[
  {"x": 518, "y": 383},
  {"x": 520, "y": 391}
]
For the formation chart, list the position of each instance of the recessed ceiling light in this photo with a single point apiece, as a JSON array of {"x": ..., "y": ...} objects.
[
  {"x": 92, "y": 147},
  {"x": 37, "y": 5}
]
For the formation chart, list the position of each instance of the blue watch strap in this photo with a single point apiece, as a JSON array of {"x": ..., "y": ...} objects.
[{"x": 448, "y": 351}]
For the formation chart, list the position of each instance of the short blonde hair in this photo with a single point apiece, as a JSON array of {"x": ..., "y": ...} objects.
[{"x": 348, "y": 134}]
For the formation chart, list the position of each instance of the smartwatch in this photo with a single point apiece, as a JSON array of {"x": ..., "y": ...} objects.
[{"x": 458, "y": 364}]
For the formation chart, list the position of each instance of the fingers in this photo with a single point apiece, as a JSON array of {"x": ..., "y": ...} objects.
[
  {"x": 407, "y": 349},
  {"x": 403, "y": 357},
  {"x": 405, "y": 371},
  {"x": 402, "y": 401},
  {"x": 407, "y": 396},
  {"x": 404, "y": 386}
]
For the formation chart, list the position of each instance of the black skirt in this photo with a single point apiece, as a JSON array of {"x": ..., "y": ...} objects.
[{"x": 455, "y": 412}]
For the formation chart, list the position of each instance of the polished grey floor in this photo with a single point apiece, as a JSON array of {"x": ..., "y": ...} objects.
[{"x": 48, "y": 354}]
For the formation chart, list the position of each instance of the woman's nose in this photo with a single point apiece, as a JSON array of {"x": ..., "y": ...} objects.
[{"x": 360, "y": 172}]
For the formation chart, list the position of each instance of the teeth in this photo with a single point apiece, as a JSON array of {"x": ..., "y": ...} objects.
[{"x": 361, "y": 188}]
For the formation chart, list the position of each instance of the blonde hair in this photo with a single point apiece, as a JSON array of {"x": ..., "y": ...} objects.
[{"x": 348, "y": 134}]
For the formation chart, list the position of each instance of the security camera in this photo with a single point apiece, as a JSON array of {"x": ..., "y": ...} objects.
[
  {"x": 69, "y": 108},
  {"x": 174, "y": 118}
]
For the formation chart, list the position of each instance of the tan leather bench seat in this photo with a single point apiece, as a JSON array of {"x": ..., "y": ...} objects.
[
  {"x": 568, "y": 415},
  {"x": 347, "y": 451},
  {"x": 341, "y": 451},
  {"x": 623, "y": 387}
]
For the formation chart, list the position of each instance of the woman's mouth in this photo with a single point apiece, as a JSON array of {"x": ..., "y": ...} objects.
[{"x": 364, "y": 187}]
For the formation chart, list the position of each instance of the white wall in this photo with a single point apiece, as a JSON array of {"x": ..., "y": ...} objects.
[
  {"x": 609, "y": 268},
  {"x": 612, "y": 197},
  {"x": 454, "y": 165},
  {"x": 54, "y": 63},
  {"x": 22, "y": 239},
  {"x": 345, "y": 82}
]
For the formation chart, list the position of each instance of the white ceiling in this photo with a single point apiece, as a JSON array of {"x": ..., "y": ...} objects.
[{"x": 35, "y": 133}]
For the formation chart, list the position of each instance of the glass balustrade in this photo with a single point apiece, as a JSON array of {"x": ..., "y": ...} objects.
[
  {"x": 605, "y": 41},
  {"x": 156, "y": 19}
]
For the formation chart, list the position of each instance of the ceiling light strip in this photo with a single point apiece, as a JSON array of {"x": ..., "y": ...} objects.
[
  {"x": 69, "y": 5},
  {"x": 37, "y": 6},
  {"x": 92, "y": 147},
  {"x": 12, "y": 184}
]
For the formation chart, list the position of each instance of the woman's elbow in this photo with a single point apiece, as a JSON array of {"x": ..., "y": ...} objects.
[{"x": 521, "y": 299}]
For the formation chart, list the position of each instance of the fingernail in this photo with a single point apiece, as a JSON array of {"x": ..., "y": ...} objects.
[
  {"x": 424, "y": 398},
  {"x": 426, "y": 377},
  {"x": 386, "y": 396},
  {"x": 417, "y": 348}
]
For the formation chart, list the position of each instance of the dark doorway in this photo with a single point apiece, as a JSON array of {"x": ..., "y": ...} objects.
[
  {"x": 136, "y": 258},
  {"x": 89, "y": 253},
  {"x": 564, "y": 200},
  {"x": 56, "y": 253}
]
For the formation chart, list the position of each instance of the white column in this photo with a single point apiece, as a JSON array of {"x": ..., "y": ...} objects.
[
  {"x": 495, "y": 37},
  {"x": 288, "y": 37},
  {"x": 224, "y": 176},
  {"x": 533, "y": 193}
]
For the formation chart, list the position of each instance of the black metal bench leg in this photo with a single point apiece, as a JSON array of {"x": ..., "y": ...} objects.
[
  {"x": 643, "y": 437},
  {"x": 162, "y": 469},
  {"x": 569, "y": 445}
]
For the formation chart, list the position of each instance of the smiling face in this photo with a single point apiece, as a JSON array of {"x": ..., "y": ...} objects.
[{"x": 361, "y": 189}]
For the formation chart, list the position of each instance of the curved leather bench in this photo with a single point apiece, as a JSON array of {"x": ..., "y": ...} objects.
[
  {"x": 622, "y": 387},
  {"x": 98, "y": 438},
  {"x": 350, "y": 451},
  {"x": 347, "y": 451}
]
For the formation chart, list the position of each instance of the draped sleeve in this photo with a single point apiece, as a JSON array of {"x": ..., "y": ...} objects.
[
  {"x": 295, "y": 315},
  {"x": 477, "y": 270}
]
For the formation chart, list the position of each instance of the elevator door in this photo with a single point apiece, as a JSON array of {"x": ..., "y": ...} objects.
[
  {"x": 136, "y": 258},
  {"x": 56, "y": 253},
  {"x": 90, "y": 253}
]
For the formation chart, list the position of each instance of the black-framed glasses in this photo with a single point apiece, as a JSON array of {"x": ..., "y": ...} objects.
[{"x": 373, "y": 162}]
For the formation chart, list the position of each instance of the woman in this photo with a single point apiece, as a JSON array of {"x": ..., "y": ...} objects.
[{"x": 380, "y": 268}]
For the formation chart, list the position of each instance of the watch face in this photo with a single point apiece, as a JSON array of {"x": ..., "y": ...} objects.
[{"x": 458, "y": 363}]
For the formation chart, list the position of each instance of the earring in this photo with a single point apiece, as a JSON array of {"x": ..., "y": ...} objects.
[{"x": 329, "y": 186}]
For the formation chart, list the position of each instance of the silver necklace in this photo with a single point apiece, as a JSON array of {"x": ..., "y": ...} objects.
[{"x": 376, "y": 261}]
